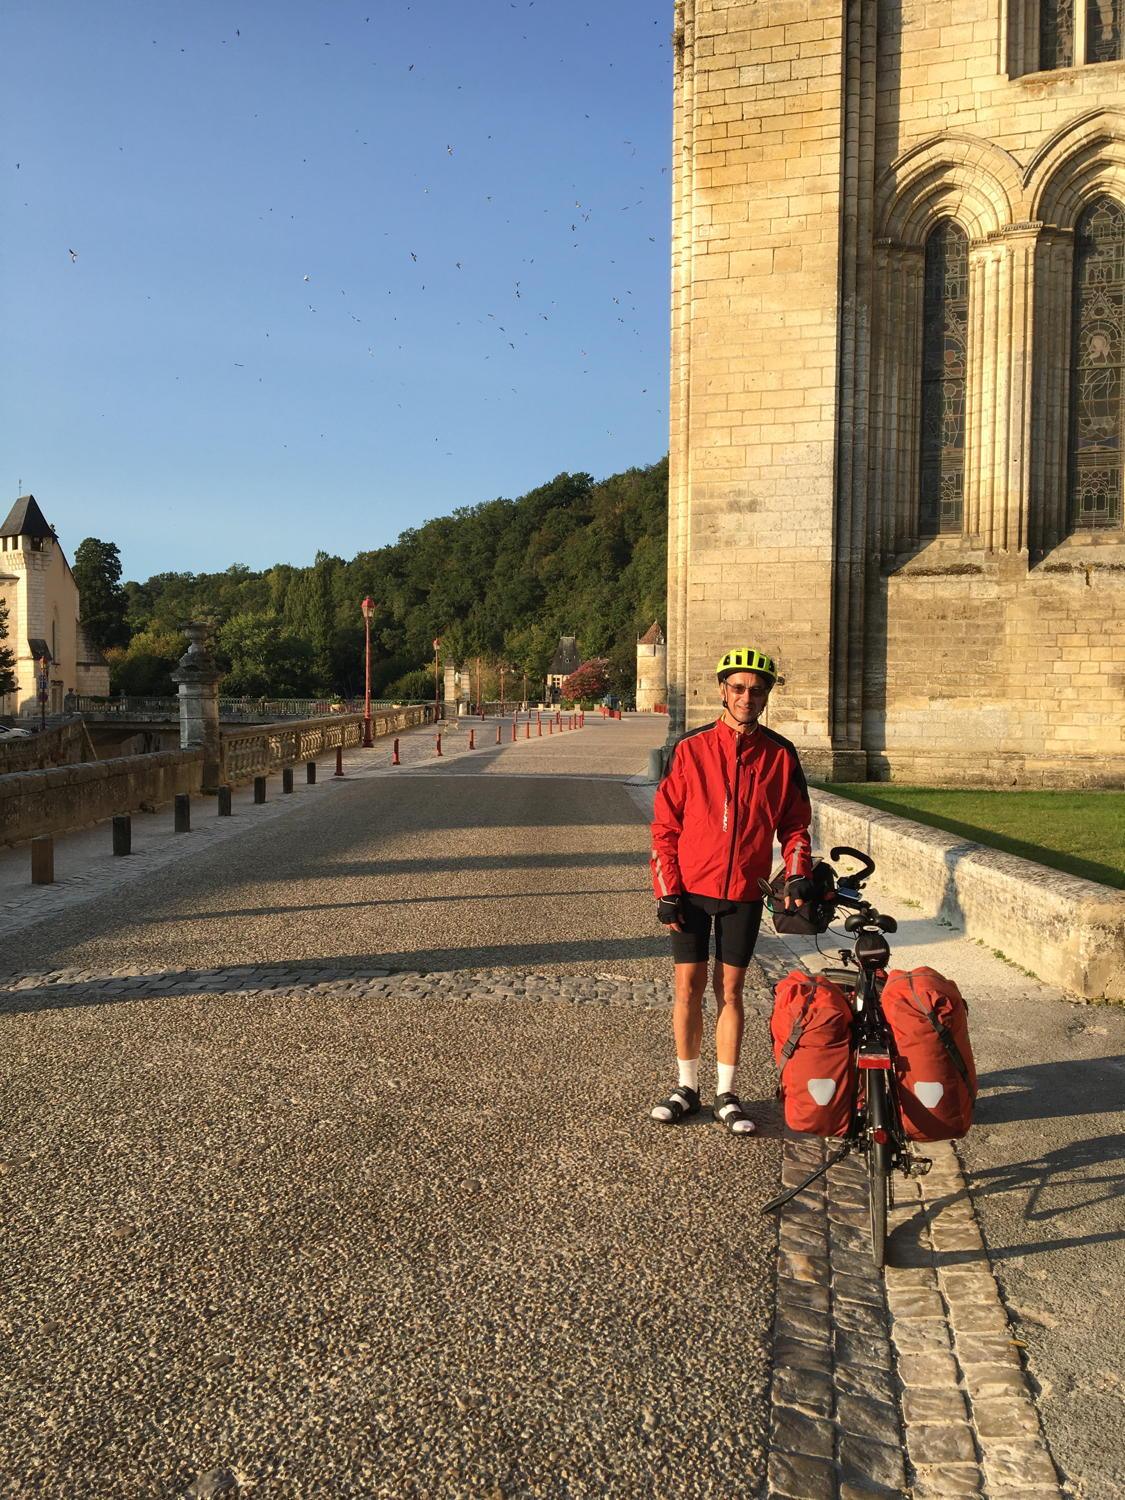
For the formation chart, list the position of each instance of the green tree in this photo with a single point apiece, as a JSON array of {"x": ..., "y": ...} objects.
[
  {"x": 104, "y": 603},
  {"x": 144, "y": 668},
  {"x": 8, "y": 679},
  {"x": 266, "y": 659}
]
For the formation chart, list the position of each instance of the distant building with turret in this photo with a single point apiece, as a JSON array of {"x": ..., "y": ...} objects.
[
  {"x": 565, "y": 661},
  {"x": 44, "y": 615},
  {"x": 652, "y": 670}
]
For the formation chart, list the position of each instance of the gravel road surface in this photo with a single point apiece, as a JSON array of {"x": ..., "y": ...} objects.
[{"x": 278, "y": 1224}]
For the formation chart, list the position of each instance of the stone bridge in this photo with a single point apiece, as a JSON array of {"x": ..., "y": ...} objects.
[{"x": 327, "y": 1170}]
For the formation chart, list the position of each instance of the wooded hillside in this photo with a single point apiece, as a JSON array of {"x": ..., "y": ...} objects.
[{"x": 502, "y": 580}]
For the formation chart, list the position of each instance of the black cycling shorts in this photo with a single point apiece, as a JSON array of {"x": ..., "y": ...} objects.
[{"x": 736, "y": 931}]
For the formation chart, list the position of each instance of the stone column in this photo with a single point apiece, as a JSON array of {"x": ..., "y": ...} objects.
[
  {"x": 999, "y": 407},
  {"x": 198, "y": 677}
]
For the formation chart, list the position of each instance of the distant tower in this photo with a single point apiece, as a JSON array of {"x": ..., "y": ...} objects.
[{"x": 652, "y": 670}]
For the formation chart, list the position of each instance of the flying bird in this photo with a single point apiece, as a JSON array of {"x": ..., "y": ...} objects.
[{"x": 73, "y": 255}]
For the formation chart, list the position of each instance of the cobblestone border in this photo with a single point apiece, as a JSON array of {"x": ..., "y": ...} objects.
[{"x": 907, "y": 1382}]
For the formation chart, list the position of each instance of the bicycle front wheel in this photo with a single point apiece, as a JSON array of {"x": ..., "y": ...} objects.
[{"x": 878, "y": 1164}]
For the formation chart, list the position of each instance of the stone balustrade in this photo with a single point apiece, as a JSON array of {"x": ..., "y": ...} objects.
[{"x": 259, "y": 749}]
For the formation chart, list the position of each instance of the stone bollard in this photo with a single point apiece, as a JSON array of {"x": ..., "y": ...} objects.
[
  {"x": 122, "y": 834},
  {"x": 259, "y": 789},
  {"x": 43, "y": 860},
  {"x": 224, "y": 802},
  {"x": 339, "y": 771},
  {"x": 287, "y": 779},
  {"x": 182, "y": 814},
  {"x": 310, "y": 773}
]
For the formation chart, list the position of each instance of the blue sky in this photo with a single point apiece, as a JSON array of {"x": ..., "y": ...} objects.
[{"x": 477, "y": 192}]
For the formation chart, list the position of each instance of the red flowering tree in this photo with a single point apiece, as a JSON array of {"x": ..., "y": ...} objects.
[{"x": 587, "y": 683}]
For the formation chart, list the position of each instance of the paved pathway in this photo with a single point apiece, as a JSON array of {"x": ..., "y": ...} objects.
[{"x": 326, "y": 1171}]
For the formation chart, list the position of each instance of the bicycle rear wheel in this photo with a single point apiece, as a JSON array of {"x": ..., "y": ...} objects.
[{"x": 878, "y": 1165}]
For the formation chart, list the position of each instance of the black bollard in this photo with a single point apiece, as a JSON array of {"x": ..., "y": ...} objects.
[
  {"x": 310, "y": 772},
  {"x": 287, "y": 779},
  {"x": 122, "y": 834},
  {"x": 183, "y": 813},
  {"x": 224, "y": 802},
  {"x": 259, "y": 789},
  {"x": 43, "y": 860}
]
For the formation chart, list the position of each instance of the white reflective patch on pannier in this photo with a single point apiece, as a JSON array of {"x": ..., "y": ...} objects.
[
  {"x": 823, "y": 1090},
  {"x": 929, "y": 1094}
]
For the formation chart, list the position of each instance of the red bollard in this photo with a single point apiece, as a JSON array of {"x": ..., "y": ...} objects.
[
  {"x": 550, "y": 726},
  {"x": 513, "y": 731},
  {"x": 339, "y": 771},
  {"x": 394, "y": 758},
  {"x": 539, "y": 731},
  {"x": 472, "y": 739},
  {"x": 527, "y": 730},
  {"x": 437, "y": 744},
  {"x": 497, "y": 734}
]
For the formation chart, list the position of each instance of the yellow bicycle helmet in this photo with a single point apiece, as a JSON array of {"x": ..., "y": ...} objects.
[{"x": 746, "y": 659}]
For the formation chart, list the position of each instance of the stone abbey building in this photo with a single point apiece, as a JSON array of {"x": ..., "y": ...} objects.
[{"x": 898, "y": 379}]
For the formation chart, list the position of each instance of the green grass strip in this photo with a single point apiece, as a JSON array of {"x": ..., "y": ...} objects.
[{"x": 1082, "y": 833}]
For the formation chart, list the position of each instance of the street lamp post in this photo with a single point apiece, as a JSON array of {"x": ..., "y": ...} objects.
[
  {"x": 437, "y": 697},
  {"x": 44, "y": 678},
  {"x": 367, "y": 608},
  {"x": 503, "y": 669}
]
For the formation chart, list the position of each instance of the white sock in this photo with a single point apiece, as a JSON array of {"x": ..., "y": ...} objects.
[
  {"x": 688, "y": 1070},
  {"x": 726, "y": 1078}
]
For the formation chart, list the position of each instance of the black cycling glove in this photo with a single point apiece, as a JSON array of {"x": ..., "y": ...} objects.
[
  {"x": 800, "y": 888},
  {"x": 670, "y": 909}
]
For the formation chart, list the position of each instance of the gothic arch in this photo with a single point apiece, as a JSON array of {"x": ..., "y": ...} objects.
[
  {"x": 1082, "y": 159},
  {"x": 949, "y": 176}
]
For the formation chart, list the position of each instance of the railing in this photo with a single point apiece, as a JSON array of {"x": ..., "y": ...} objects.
[
  {"x": 255, "y": 751},
  {"x": 250, "y": 710}
]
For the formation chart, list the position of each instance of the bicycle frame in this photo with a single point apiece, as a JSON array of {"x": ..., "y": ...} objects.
[{"x": 876, "y": 1129}]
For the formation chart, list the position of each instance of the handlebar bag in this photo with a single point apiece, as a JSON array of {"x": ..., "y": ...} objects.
[
  {"x": 811, "y": 1027},
  {"x": 929, "y": 1021}
]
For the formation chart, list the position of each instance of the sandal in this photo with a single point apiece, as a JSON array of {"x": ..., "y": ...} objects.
[
  {"x": 680, "y": 1103},
  {"x": 727, "y": 1110}
]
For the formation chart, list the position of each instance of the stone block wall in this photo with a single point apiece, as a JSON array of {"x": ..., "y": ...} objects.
[
  {"x": 33, "y": 803},
  {"x": 756, "y": 209},
  {"x": 816, "y": 147}
]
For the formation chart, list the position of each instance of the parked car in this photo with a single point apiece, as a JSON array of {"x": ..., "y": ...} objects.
[{"x": 14, "y": 734}]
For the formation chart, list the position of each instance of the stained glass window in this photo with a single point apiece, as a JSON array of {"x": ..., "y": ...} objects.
[
  {"x": 1056, "y": 33},
  {"x": 1096, "y": 366},
  {"x": 945, "y": 310},
  {"x": 1103, "y": 30}
]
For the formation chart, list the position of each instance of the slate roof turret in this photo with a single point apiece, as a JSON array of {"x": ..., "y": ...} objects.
[{"x": 26, "y": 519}]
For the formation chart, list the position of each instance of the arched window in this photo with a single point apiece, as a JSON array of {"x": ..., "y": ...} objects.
[
  {"x": 1096, "y": 368},
  {"x": 1056, "y": 33},
  {"x": 945, "y": 310}
]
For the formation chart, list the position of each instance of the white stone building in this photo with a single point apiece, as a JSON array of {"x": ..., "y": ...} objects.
[{"x": 44, "y": 623}]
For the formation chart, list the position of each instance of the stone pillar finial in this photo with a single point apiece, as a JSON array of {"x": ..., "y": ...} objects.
[{"x": 197, "y": 674}]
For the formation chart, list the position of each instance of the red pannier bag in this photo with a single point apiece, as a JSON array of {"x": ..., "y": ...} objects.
[
  {"x": 811, "y": 1027},
  {"x": 929, "y": 1021}
]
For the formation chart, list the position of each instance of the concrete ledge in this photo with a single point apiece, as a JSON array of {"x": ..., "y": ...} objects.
[
  {"x": 65, "y": 797},
  {"x": 1066, "y": 931}
]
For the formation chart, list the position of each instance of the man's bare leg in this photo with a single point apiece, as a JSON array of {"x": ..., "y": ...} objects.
[
  {"x": 687, "y": 1026},
  {"x": 687, "y": 1010},
  {"x": 728, "y": 983}
]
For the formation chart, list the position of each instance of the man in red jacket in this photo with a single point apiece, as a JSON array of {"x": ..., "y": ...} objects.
[{"x": 727, "y": 790}]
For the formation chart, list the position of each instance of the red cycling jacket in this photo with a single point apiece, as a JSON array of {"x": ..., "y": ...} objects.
[{"x": 723, "y": 797}]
